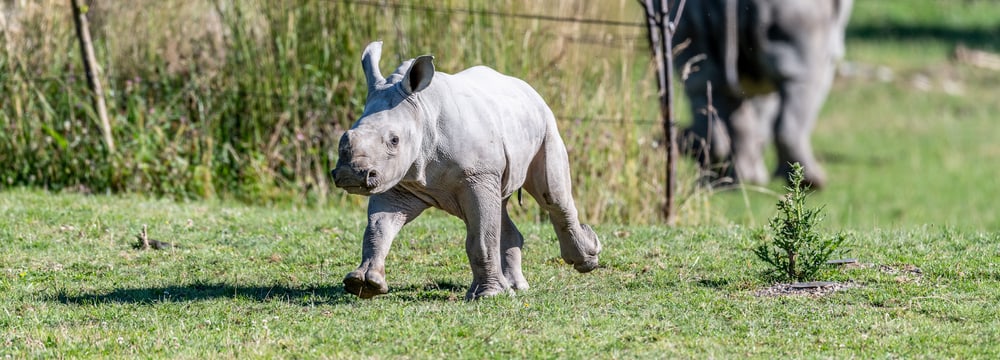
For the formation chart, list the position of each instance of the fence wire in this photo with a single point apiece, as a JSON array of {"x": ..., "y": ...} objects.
[{"x": 501, "y": 14}]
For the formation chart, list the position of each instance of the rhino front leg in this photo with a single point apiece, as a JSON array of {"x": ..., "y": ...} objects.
[
  {"x": 750, "y": 134},
  {"x": 548, "y": 182},
  {"x": 707, "y": 139},
  {"x": 511, "y": 242},
  {"x": 387, "y": 213},
  {"x": 482, "y": 210}
]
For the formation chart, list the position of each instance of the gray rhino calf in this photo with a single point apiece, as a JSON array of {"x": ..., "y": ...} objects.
[{"x": 462, "y": 143}]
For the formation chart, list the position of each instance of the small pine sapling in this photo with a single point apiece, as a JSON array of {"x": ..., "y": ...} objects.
[{"x": 797, "y": 250}]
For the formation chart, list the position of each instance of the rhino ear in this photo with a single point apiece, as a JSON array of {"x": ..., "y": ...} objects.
[
  {"x": 369, "y": 62},
  {"x": 419, "y": 76}
]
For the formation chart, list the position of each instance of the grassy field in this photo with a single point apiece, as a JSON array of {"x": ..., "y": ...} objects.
[
  {"x": 912, "y": 159},
  {"x": 265, "y": 282}
]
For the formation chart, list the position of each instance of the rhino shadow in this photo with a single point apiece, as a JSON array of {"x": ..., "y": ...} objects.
[
  {"x": 716, "y": 284},
  {"x": 431, "y": 291},
  {"x": 308, "y": 295},
  {"x": 208, "y": 291}
]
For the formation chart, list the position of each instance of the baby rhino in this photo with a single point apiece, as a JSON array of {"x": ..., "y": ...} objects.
[{"x": 462, "y": 143}]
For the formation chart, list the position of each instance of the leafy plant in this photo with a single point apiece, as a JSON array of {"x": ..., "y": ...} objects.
[{"x": 797, "y": 250}]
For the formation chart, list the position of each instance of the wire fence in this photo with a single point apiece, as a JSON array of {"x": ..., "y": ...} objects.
[
  {"x": 576, "y": 20},
  {"x": 606, "y": 40}
]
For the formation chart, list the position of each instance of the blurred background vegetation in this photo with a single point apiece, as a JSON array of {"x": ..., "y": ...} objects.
[{"x": 246, "y": 100}]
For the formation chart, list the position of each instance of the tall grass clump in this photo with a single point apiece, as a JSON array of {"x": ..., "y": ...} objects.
[{"x": 246, "y": 99}]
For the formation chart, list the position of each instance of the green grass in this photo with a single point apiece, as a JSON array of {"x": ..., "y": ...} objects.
[
  {"x": 913, "y": 181},
  {"x": 265, "y": 282}
]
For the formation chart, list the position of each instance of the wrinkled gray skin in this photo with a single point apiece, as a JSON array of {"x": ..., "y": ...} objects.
[
  {"x": 770, "y": 71},
  {"x": 462, "y": 143}
]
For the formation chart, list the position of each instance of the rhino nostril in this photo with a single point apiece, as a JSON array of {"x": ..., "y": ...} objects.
[{"x": 370, "y": 177}]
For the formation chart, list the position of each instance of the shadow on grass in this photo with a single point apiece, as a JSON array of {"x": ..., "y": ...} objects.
[
  {"x": 714, "y": 283},
  {"x": 334, "y": 295},
  {"x": 980, "y": 37},
  {"x": 843, "y": 158},
  {"x": 432, "y": 291},
  {"x": 209, "y": 291}
]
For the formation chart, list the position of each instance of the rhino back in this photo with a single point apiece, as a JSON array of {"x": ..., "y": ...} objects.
[
  {"x": 491, "y": 123},
  {"x": 774, "y": 39}
]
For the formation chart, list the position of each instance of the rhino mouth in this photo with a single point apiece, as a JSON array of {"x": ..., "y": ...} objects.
[
  {"x": 354, "y": 187},
  {"x": 356, "y": 190},
  {"x": 360, "y": 188},
  {"x": 356, "y": 181}
]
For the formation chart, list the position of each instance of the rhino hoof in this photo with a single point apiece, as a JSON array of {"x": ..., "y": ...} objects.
[
  {"x": 593, "y": 235},
  {"x": 477, "y": 292},
  {"x": 365, "y": 286},
  {"x": 586, "y": 266},
  {"x": 589, "y": 261}
]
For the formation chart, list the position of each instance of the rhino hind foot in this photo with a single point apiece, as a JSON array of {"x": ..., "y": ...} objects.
[
  {"x": 591, "y": 248},
  {"x": 517, "y": 282},
  {"x": 814, "y": 177},
  {"x": 365, "y": 285},
  {"x": 814, "y": 183},
  {"x": 477, "y": 291},
  {"x": 587, "y": 265}
]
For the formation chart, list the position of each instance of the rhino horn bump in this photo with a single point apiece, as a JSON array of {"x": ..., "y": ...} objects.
[{"x": 369, "y": 61}]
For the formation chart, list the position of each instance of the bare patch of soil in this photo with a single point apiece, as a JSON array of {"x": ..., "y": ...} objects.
[
  {"x": 904, "y": 273},
  {"x": 811, "y": 289}
]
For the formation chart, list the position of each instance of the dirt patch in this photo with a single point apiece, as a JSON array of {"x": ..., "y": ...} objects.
[
  {"x": 902, "y": 269},
  {"x": 810, "y": 289},
  {"x": 904, "y": 273}
]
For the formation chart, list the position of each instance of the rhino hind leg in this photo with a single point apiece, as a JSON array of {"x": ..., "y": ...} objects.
[
  {"x": 800, "y": 108},
  {"x": 511, "y": 242},
  {"x": 548, "y": 182}
]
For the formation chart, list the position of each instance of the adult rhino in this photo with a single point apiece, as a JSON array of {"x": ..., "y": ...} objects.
[
  {"x": 463, "y": 143},
  {"x": 771, "y": 64}
]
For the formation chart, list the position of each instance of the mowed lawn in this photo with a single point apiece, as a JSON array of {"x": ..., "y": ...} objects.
[{"x": 265, "y": 282}]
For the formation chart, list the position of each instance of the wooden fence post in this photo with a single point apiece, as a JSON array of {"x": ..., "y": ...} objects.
[
  {"x": 90, "y": 67},
  {"x": 661, "y": 32}
]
